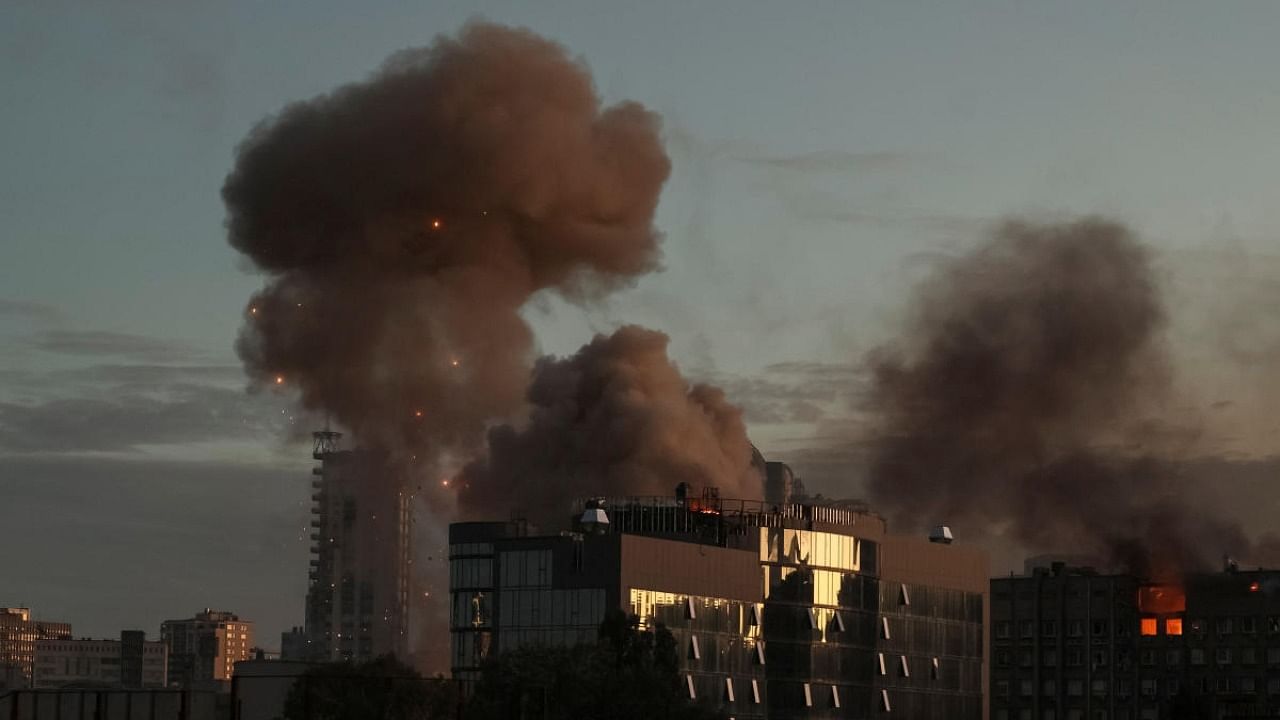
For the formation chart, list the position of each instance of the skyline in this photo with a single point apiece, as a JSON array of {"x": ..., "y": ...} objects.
[{"x": 915, "y": 130}]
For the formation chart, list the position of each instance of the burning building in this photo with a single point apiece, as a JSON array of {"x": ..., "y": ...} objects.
[
  {"x": 358, "y": 586},
  {"x": 1071, "y": 643},
  {"x": 782, "y": 609}
]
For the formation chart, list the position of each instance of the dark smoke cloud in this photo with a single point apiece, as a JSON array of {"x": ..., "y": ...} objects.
[
  {"x": 617, "y": 418},
  {"x": 1025, "y": 366},
  {"x": 404, "y": 221}
]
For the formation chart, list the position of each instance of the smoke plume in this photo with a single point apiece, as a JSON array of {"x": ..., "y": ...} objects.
[
  {"x": 617, "y": 418},
  {"x": 403, "y": 221},
  {"x": 1012, "y": 401}
]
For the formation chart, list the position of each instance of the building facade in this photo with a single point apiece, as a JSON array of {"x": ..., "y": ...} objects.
[
  {"x": 204, "y": 649},
  {"x": 358, "y": 587},
  {"x": 1072, "y": 644},
  {"x": 130, "y": 662},
  {"x": 780, "y": 611},
  {"x": 19, "y": 634}
]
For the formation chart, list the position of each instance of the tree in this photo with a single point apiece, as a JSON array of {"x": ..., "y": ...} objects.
[
  {"x": 629, "y": 674},
  {"x": 381, "y": 689}
]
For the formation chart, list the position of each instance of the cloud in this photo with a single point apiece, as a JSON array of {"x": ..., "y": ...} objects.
[
  {"x": 111, "y": 344},
  {"x": 30, "y": 310},
  {"x": 792, "y": 392},
  {"x": 222, "y": 535},
  {"x": 833, "y": 161},
  {"x": 125, "y": 420}
]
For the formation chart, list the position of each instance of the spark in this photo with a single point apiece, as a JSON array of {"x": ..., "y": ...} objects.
[
  {"x": 279, "y": 379},
  {"x": 417, "y": 413},
  {"x": 253, "y": 311},
  {"x": 435, "y": 224},
  {"x": 455, "y": 362},
  {"x": 445, "y": 482}
]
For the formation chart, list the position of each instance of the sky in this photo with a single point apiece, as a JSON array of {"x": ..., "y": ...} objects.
[{"x": 824, "y": 155}]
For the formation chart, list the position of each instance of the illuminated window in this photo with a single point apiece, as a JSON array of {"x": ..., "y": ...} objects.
[
  {"x": 880, "y": 657},
  {"x": 808, "y": 696},
  {"x": 755, "y": 691},
  {"x": 1149, "y": 626},
  {"x": 728, "y": 689},
  {"x": 835, "y": 697},
  {"x": 1173, "y": 626},
  {"x": 688, "y": 684},
  {"x": 884, "y": 628},
  {"x": 695, "y": 653}
]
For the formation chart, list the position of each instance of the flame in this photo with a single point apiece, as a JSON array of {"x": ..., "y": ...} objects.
[
  {"x": 279, "y": 379},
  {"x": 417, "y": 413},
  {"x": 445, "y": 482},
  {"x": 1254, "y": 586},
  {"x": 435, "y": 224},
  {"x": 1162, "y": 599}
]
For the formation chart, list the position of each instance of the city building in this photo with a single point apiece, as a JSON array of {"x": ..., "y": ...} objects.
[
  {"x": 293, "y": 644},
  {"x": 358, "y": 591},
  {"x": 18, "y": 637},
  {"x": 1069, "y": 643},
  {"x": 204, "y": 649},
  {"x": 130, "y": 662},
  {"x": 781, "y": 610}
]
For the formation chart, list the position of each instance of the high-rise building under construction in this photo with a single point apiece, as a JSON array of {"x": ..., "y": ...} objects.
[{"x": 358, "y": 590}]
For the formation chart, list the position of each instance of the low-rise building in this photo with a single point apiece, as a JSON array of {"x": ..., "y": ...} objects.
[
  {"x": 19, "y": 634},
  {"x": 1073, "y": 644},
  {"x": 130, "y": 662}
]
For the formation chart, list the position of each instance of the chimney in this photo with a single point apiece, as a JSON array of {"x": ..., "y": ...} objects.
[{"x": 941, "y": 534}]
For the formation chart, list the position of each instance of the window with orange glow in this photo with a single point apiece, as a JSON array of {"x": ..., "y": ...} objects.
[
  {"x": 1149, "y": 626},
  {"x": 1173, "y": 626}
]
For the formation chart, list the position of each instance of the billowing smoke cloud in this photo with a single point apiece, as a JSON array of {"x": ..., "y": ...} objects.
[
  {"x": 1013, "y": 401},
  {"x": 617, "y": 418},
  {"x": 403, "y": 221}
]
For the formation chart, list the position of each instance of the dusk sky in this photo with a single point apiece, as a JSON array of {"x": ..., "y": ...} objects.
[{"x": 824, "y": 156}]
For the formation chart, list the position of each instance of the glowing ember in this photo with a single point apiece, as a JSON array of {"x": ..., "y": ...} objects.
[
  {"x": 454, "y": 362},
  {"x": 417, "y": 413},
  {"x": 253, "y": 311},
  {"x": 1254, "y": 586},
  {"x": 279, "y": 379},
  {"x": 445, "y": 482},
  {"x": 435, "y": 224}
]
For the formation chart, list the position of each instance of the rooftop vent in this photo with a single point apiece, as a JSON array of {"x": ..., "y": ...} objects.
[
  {"x": 594, "y": 519},
  {"x": 941, "y": 534}
]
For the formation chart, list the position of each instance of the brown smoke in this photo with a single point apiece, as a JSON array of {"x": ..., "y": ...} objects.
[
  {"x": 617, "y": 418},
  {"x": 1025, "y": 363},
  {"x": 403, "y": 221}
]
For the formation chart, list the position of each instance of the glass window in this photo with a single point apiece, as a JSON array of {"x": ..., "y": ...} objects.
[
  {"x": 1149, "y": 626},
  {"x": 1173, "y": 626}
]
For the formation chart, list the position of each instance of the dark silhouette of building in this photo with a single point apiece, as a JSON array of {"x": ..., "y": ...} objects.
[
  {"x": 1072, "y": 644},
  {"x": 780, "y": 610}
]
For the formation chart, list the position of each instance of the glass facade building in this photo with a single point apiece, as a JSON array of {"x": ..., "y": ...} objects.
[{"x": 778, "y": 611}]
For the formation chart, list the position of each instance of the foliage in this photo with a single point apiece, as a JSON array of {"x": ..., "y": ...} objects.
[
  {"x": 381, "y": 689},
  {"x": 629, "y": 674}
]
